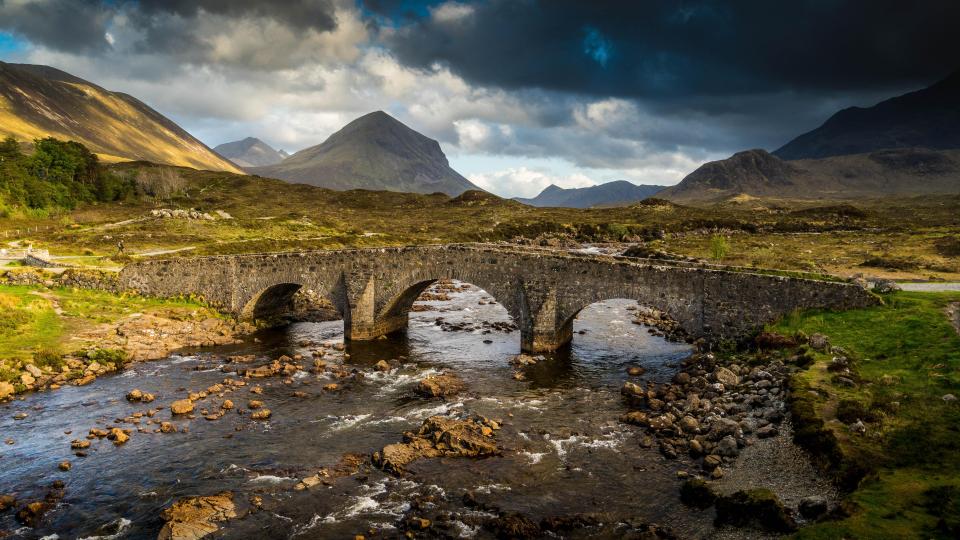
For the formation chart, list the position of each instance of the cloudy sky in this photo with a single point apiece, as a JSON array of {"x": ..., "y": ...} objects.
[{"x": 519, "y": 93}]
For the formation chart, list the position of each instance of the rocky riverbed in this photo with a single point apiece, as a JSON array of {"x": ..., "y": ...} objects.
[{"x": 444, "y": 432}]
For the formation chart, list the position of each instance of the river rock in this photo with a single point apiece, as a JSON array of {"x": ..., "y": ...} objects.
[
  {"x": 118, "y": 436},
  {"x": 7, "y": 502},
  {"x": 439, "y": 436},
  {"x": 64, "y": 466},
  {"x": 443, "y": 385},
  {"x": 167, "y": 427},
  {"x": 33, "y": 370},
  {"x": 813, "y": 507},
  {"x": 27, "y": 379},
  {"x": 697, "y": 493},
  {"x": 637, "y": 418},
  {"x": 226, "y": 405},
  {"x": 134, "y": 395},
  {"x": 31, "y": 513},
  {"x": 633, "y": 391},
  {"x": 382, "y": 366},
  {"x": 6, "y": 389},
  {"x": 255, "y": 404},
  {"x": 195, "y": 517},
  {"x": 635, "y": 371},
  {"x": 181, "y": 406},
  {"x": 79, "y": 444},
  {"x": 261, "y": 414},
  {"x": 522, "y": 360},
  {"x": 727, "y": 447},
  {"x": 726, "y": 377}
]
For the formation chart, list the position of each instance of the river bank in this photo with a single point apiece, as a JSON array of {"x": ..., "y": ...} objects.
[{"x": 59, "y": 329}]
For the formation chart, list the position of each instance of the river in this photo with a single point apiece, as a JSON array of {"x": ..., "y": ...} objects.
[{"x": 564, "y": 451}]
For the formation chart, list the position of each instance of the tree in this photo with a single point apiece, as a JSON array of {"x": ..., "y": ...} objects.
[
  {"x": 9, "y": 149},
  {"x": 719, "y": 247}
]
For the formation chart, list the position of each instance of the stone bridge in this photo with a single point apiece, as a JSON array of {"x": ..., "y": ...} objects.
[{"x": 543, "y": 290}]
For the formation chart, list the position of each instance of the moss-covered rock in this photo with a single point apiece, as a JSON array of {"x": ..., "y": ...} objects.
[
  {"x": 755, "y": 507},
  {"x": 697, "y": 493}
]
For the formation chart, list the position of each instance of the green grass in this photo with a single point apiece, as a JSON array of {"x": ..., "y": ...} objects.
[
  {"x": 905, "y": 352},
  {"x": 32, "y": 330},
  {"x": 27, "y": 323}
]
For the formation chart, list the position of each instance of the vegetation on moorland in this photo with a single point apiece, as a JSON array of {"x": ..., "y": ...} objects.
[
  {"x": 890, "y": 238},
  {"x": 903, "y": 473},
  {"x": 57, "y": 175}
]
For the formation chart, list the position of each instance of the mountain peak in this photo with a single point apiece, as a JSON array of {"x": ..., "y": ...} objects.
[
  {"x": 925, "y": 118},
  {"x": 614, "y": 193},
  {"x": 374, "y": 151},
  {"x": 249, "y": 152}
]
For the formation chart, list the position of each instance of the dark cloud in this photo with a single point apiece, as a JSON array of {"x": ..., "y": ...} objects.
[
  {"x": 668, "y": 49},
  {"x": 301, "y": 14},
  {"x": 65, "y": 25},
  {"x": 81, "y": 25}
]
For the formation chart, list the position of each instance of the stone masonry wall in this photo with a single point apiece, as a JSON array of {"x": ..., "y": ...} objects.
[{"x": 373, "y": 289}]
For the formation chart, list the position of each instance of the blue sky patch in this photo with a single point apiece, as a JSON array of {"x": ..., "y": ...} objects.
[
  {"x": 10, "y": 44},
  {"x": 597, "y": 46}
]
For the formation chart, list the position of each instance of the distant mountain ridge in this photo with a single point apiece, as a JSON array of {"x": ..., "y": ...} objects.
[
  {"x": 926, "y": 118},
  {"x": 757, "y": 173},
  {"x": 615, "y": 193},
  {"x": 375, "y": 152},
  {"x": 41, "y": 101},
  {"x": 249, "y": 152}
]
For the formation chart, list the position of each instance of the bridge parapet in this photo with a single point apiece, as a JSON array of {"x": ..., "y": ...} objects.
[{"x": 542, "y": 290}]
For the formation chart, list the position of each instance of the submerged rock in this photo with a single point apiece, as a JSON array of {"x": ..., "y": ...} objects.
[{"x": 195, "y": 517}]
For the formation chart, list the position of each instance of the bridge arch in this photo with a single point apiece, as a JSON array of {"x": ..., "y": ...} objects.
[{"x": 270, "y": 302}]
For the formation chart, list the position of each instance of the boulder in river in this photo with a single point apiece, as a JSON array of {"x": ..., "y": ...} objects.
[
  {"x": 440, "y": 436},
  {"x": 182, "y": 406},
  {"x": 442, "y": 385},
  {"x": 195, "y": 517},
  {"x": 6, "y": 389}
]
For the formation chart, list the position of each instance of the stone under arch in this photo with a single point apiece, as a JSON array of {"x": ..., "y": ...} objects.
[{"x": 395, "y": 314}]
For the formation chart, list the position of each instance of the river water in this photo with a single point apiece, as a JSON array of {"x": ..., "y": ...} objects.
[{"x": 564, "y": 452}]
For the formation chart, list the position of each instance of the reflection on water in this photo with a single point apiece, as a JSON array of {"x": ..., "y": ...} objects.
[{"x": 564, "y": 450}]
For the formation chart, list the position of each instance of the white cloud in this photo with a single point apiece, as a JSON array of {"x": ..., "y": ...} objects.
[{"x": 451, "y": 12}]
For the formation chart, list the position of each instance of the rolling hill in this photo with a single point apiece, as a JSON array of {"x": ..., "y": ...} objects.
[
  {"x": 40, "y": 101},
  {"x": 757, "y": 173},
  {"x": 250, "y": 152},
  {"x": 375, "y": 152},
  {"x": 616, "y": 193},
  {"x": 927, "y": 118}
]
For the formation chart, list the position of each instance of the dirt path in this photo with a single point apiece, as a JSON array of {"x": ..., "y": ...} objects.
[
  {"x": 164, "y": 251},
  {"x": 943, "y": 286}
]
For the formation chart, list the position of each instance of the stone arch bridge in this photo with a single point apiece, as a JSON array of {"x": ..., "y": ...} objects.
[{"x": 543, "y": 290}]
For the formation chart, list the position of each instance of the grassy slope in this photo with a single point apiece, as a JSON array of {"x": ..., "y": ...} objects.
[
  {"x": 907, "y": 352},
  {"x": 29, "y": 321}
]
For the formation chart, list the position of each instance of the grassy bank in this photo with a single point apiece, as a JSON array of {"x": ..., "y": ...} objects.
[
  {"x": 38, "y": 324},
  {"x": 905, "y": 357}
]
